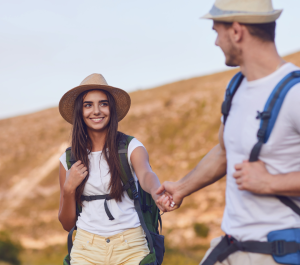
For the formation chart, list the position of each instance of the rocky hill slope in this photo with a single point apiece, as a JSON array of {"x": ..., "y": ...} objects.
[{"x": 178, "y": 124}]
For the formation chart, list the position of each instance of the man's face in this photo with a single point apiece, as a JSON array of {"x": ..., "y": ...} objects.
[{"x": 224, "y": 41}]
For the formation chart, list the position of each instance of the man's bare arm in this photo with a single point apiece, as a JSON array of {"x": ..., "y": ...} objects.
[
  {"x": 210, "y": 169},
  {"x": 254, "y": 177}
]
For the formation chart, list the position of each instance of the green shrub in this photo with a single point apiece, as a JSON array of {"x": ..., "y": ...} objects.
[
  {"x": 9, "y": 250},
  {"x": 201, "y": 229}
]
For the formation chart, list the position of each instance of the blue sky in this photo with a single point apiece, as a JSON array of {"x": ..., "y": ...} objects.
[{"x": 49, "y": 46}]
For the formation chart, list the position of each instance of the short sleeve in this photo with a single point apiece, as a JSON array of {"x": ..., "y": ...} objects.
[
  {"x": 63, "y": 160},
  {"x": 134, "y": 143}
]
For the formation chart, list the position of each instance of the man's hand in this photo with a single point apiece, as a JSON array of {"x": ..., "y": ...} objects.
[
  {"x": 253, "y": 177},
  {"x": 171, "y": 194},
  {"x": 163, "y": 201}
]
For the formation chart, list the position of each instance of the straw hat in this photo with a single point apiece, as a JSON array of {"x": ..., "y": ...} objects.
[
  {"x": 94, "y": 81},
  {"x": 243, "y": 11}
]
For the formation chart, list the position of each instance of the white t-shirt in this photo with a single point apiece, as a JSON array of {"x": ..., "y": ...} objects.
[
  {"x": 248, "y": 216},
  {"x": 93, "y": 217}
]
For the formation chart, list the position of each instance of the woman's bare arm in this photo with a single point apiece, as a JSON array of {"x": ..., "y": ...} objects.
[{"x": 147, "y": 178}]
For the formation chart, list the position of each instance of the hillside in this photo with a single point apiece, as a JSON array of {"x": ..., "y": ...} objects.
[{"x": 177, "y": 123}]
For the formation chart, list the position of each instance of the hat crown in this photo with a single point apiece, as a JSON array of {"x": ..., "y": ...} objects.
[
  {"x": 245, "y": 5},
  {"x": 94, "y": 79}
]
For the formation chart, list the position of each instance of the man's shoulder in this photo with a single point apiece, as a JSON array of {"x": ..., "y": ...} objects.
[
  {"x": 295, "y": 90},
  {"x": 290, "y": 67}
]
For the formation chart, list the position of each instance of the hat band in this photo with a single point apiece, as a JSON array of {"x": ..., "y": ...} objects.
[{"x": 215, "y": 11}]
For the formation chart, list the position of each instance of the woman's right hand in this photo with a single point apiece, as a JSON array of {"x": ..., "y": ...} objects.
[{"x": 75, "y": 176}]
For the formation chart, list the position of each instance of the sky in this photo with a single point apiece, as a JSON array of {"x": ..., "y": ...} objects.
[{"x": 49, "y": 46}]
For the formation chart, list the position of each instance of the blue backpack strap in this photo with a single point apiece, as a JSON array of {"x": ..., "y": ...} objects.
[
  {"x": 268, "y": 118},
  {"x": 269, "y": 115},
  {"x": 230, "y": 91}
]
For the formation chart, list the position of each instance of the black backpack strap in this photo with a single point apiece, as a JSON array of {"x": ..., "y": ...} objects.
[
  {"x": 212, "y": 258},
  {"x": 230, "y": 245},
  {"x": 70, "y": 240},
  {"x": 276, "y": 248},
  {"x": 160, "y": 223},
  {"x": 104, "y": 197},
  {"x": 289, "y": 203},
  {"x": 123, "y": 145},
  {"x": 268, "y": 118},
  {"x": 230, "y": 91}
]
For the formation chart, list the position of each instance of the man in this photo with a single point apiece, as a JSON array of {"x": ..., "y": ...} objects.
[{"x": 246, "y": 32}]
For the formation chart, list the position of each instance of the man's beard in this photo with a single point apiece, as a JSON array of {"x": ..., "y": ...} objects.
[{"x": 232, "y": 57}]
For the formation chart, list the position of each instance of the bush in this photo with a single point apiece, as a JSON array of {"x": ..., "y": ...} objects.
[
  {"x": 201, "y": 229},
  {"x": 9, "y": 250}
]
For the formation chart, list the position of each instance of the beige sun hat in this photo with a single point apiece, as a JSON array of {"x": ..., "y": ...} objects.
[
  {"x": 243, "y": 11},
  {"x": 94, "y": 81}
]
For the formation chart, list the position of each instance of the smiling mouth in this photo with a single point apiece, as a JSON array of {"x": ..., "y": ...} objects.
[{"x": 97, "y": 119}]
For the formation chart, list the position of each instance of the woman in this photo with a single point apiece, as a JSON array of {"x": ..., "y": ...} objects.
[{"x": 94, "y": 109}]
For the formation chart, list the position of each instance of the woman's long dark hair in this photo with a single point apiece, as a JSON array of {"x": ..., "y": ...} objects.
[{"x": 82, "y": 146}]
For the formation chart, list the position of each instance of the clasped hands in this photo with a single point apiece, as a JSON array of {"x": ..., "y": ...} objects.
[{"x": 249, "y": 176}]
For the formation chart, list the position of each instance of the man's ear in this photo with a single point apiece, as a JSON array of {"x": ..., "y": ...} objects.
[{"x": 237, "y": 32}]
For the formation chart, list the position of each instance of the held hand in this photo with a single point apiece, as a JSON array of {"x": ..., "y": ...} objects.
[
  {"x": 170, "y": 190},
  {"x": 253, "y": 177},
  {"x": 75, "y": 176},
  {"x": 163, "y": 201}
]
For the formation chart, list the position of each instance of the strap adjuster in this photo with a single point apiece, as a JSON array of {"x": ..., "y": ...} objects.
[
  {"x": 265, "y": 115},
  {"x": 279, "y": 247},
  {"x": 131, "y": 181},
  {"x": 135, "y": 193},
  {"x": 261, "y": 133}
]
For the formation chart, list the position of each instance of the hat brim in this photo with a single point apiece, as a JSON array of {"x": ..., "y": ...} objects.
[
  {"x": 247, "y": 18},
  {"x": 66, "y": 104}
]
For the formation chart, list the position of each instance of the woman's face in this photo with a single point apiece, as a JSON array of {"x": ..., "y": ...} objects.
[{"x": 95, "y": 110}]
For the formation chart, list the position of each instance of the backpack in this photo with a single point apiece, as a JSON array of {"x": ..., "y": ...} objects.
[
  {"x": 283, "y": 245},
  {"x": 148, "y": 212}
]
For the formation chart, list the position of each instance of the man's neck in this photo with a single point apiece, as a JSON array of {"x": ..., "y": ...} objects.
[{"x": 260, "y": 60}]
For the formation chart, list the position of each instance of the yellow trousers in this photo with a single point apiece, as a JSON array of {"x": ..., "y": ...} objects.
[{"x": 126, "y": 248}]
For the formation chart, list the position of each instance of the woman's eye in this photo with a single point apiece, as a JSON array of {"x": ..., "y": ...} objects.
[
  {"x": 87, "y": 105},
  {"x": 104, "y": 104}
]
